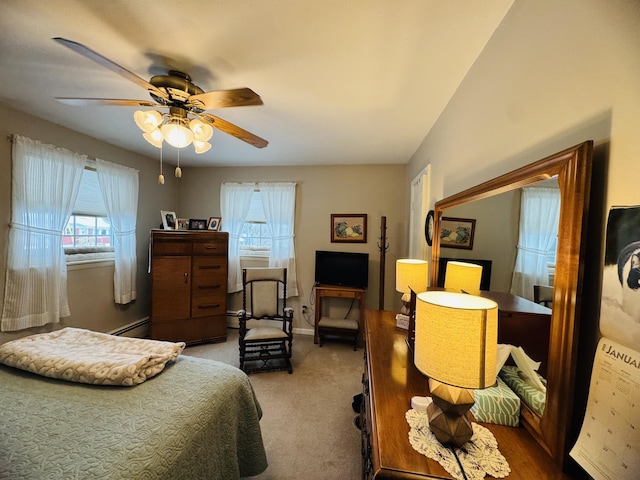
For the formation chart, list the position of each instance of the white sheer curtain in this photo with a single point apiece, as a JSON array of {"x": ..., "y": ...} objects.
[
  {"x": 45, "y": 183},
  {"x": 119, "y": 186},
  {"x": 539, "y": 217},
  {"x": 235, "y": 199},
  {"x": 279, "y": 204}
]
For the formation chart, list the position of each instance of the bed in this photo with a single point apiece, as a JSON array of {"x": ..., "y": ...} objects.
[{"x": 196, "y": 419}]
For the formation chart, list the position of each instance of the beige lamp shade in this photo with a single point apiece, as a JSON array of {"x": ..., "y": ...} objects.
[
  {"x": 463, "y": 277},
  {"x": 411, "y": 274},
  {"x": 456, "y": 338}
]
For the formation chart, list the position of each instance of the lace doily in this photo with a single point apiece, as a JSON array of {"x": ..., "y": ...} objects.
[{"x": 479, "y": 456}]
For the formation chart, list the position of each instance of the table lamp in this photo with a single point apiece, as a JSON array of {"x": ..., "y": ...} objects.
[
  {"x": 463, "y": 277},
  {"x": 411, "y": 278},
  {"x": 456, "y": 338}
]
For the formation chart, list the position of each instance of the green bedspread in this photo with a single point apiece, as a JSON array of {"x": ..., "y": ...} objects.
[{"x": 198, "y": 419}]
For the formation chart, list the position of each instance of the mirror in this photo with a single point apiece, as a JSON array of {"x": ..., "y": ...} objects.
[{"x": 572, "y": 168}]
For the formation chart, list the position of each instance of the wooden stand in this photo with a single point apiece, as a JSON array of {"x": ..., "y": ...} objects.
[{"x": 333, "y": 325}]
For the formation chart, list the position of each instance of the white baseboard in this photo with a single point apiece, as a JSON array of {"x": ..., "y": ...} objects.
[{"x": 138, "y": 329}]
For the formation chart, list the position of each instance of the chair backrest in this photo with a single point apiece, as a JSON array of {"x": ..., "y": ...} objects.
[
  {"x": 543, "y": 294},
  {"x": 262, "y": 288}
]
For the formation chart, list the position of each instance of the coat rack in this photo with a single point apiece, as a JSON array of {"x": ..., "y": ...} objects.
[{"x": 382, "y": 247}]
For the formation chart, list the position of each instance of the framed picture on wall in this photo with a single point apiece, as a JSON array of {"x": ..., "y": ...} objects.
[
  {"x": 349, "y": 228},
  {"x": 457, "y": 232}
]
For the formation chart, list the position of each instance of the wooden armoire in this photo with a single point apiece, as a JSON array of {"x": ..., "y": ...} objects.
[{"x": 188, "y": 286}]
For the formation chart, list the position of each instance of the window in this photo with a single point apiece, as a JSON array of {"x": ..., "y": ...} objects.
[
  {"x": 255, "y": 238},
  {"x": 88, "y": 235},
  {"x": 87, "y": 231},
  {"x": 278, "y": 200}
]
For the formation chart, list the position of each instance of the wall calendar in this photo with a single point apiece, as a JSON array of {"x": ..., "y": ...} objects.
[{"x": 608, "y": 446}]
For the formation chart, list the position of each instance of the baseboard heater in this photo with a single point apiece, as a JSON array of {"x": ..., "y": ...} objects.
[{"x": 143, "y": 323}]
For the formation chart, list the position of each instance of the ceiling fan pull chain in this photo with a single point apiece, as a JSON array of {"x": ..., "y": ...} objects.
[
  {"x": 161, "y": 176},
  {"x": 178, "y": 169}
]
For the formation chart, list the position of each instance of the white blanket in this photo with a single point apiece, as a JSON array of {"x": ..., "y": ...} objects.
[{"x": 84, "y": 356}]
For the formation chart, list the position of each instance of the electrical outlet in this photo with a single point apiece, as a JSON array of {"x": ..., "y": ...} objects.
[{"x": 304, "y": 309}]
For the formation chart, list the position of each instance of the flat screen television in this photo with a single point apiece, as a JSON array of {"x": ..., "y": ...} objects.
[{"x": 345, "y": 269}]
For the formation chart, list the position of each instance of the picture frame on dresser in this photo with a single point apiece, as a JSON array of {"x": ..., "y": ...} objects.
[
  {"x": 169, "y": 221},
  {"x": 182, "y": 224},
  {"x": 197, "y": 224},
  {"x": 214, "y": 223}
]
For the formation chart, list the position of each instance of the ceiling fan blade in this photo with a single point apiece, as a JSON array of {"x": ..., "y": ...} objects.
[
  {"x": 114, "y": 67},
  {"x": 234, "y": 130},
  {"x": 238, "y": 97},
  {"x": 108, "y": 102}
]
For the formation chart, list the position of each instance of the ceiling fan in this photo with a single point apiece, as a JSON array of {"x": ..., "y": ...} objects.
[{"x": 177, "y": 92}]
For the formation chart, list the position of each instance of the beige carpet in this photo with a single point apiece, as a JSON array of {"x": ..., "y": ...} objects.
[{"x": 307, "y": 423}]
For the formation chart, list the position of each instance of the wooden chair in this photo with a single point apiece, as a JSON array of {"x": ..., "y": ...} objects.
[
  {"x": 543, "y": 294},
  {"x": 266, "y": 328}
]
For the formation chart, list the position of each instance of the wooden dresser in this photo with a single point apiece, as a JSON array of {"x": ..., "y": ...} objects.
[
  {"x": 188, "y": 286},
  {"x": 390, "y": 379}
]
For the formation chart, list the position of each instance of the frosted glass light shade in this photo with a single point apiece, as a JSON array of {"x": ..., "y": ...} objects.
[
  {"x": 463, "y": 277},
  {"x": 201, "y": 131},
  {"x": 176, "y": 133},
  {"x": 154, "y": 137},
  {"x": 456, "y": 338},
  {"x": 201, "y": 147},
  {"x": 147, "y": 120},
  {"x": 411, "y": 274}
]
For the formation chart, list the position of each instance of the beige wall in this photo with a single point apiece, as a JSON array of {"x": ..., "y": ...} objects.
[
  {"x": 377, "y": 190},
  {"x": 90, "y": 290}
]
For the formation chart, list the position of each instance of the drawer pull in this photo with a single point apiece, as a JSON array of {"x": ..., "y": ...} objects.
[
  {"x": 210, "y": 267},
  {"x": 203, "y": 307},
  {"x": 209, "y": 287}
]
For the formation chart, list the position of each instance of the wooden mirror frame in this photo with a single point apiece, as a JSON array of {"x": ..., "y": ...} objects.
[{"x": 573, "y": 170}]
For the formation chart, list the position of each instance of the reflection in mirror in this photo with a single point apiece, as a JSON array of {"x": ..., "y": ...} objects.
[{"x": 501, "y": 227}]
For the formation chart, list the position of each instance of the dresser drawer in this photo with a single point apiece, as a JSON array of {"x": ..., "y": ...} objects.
[
  {"x": 208, "y": 305},
  {"x": 209, "y": 266},
  {"x": 341, "y": 294},
  {"x": 209, "y": 286},
  {"x": 161, "y": 248},
  {"x": 210, "y": 248}
]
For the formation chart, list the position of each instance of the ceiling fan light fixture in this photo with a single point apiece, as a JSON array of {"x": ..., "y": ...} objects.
[
  {"x": 201, "y": 147},
  {"x": 148, "y": 120},
  {"x": 176, "y": 133},
  {"x": 201, "y": 131},
  {"x": 154, "y": 137}
]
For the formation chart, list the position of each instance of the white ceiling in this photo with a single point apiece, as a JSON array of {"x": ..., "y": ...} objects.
[{"x": 343, "y": 82}]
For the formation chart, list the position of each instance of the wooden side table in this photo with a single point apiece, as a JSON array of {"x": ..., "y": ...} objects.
[{"x": 323, "y": 291}]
